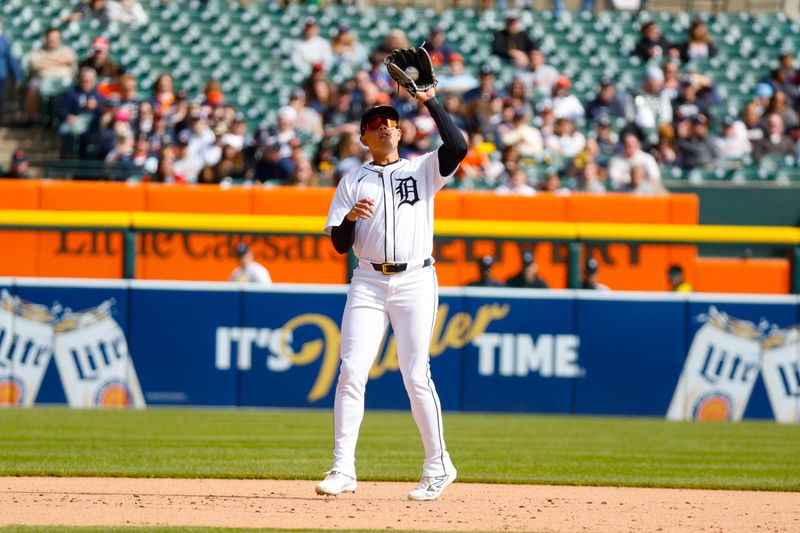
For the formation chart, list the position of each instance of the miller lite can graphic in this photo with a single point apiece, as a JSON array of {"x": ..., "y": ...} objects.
[
  {"x": 93, "y": 362},
  {"x": 26, "y": 340},
  {"x": 721, "y": 368},
  {"x": 781, "y": 372}
]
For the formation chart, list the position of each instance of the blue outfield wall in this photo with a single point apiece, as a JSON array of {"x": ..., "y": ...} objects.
[{"x": 139, "y": 343}]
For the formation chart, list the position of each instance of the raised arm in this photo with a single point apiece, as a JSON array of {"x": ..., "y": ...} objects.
[{"x": 454, "y": 147}]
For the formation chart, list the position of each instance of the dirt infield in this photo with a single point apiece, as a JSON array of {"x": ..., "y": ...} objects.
[{"x": 463, "y": 507}]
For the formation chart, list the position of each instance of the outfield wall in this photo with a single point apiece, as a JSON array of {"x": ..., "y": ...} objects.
[{"x": 145, "y": 343}]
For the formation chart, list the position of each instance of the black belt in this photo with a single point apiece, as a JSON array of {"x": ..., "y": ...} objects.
[{"x": 395, "y": 268}]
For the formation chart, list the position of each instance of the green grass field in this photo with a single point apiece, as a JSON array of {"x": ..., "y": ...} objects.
[{"x": 486, "y": 448}]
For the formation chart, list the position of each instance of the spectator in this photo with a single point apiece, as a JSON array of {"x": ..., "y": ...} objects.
[
  {"x": 516, "y": 185},
  {"x": 394, "y": 39},
  {"x": 762, "y": 95},
  {"x": 552, "y": 182},
  {"x": 639, "y": 185},
  {"x": 699, "y": 44},
  {"x": 590, "y": 275},
  {"x": 188, "y": 163},
  {"x": 437, "y": 46},
  {"x": 236, "y": 136},
  {"x": 619, "y": 168},
  {"x": 304, "y": 175},
  {"x": 677, "y": 281},
  {"x": 733, "y": 144},
  {"x": 652, "y": 45},
  {"x": 512, "y": 43},
  {"x": 166, "y": 172},
  {"x": 566, "y": 105},
  {"x": 478, "y": 101},
  {"x": 348, "y": 53},
  {"x": 689, "y": 102},
  {"x": 200, "y": 140},
  {"x": 605, "y": 135},
  {"x": 751, "y": 119},
  {"x": 100, "y": 60},
  {"x": 271, "y": 167},
  {"x": 120, "y": 160},
  {"x": 528, "y": 277},
  {"x": 697, "y": 150},
  {"x": 321, "y": 97},
  {"x": 457, "y": 80},
  {"x": 127, "y": 12},
  {"x": 665, "y": 151},
  {"x": 231, "y": 164},
  {"x": 779, "y": 104},
  {"x": 525, "y": 137},
  {"x": 213, "y": 99},
  {"x": 308, "y": 121},
  {"x": 249, "y": 271},
  {"x": 476, "y": 165},
  {"x": 311, "y": 49},
  {"x": 77, "y": 109},
  {"x": 590, "y": 179},
  {"x": 485, "y": 278},
  {"x": 409, "y": 146},
  {"x": 20, "y": 166},
  {"x": 566, "y": 141},
  {"x": 54, "y": 62},
  {"x": 775, "y": 141},
  {"x": 652, "y": 106},
  {"x": 9, "y": 68},
  {"x": 90, "y": 10},
  {"x": 672, "y": 82},
  {"x": 144, "y": 157},
  {"x": 540, "y": 77},
  {"x": 164, "y": 99},
  {"x": 609, "y": 102}
]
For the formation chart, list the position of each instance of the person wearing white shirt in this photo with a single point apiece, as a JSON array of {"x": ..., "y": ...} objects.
[
  {"x": 517, "y": 185},
  {"x": 249, "y": 271},
  {"x": 619, "y": 168},
  {"x": 127, "y": 12},
  {"x": 311, "y": 49},
  {"x": 541, "y": 77},
  {"x": 566, "y": 105}
]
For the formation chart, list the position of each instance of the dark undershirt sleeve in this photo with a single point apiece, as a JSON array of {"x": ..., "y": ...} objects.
[
  {"x": 343, "y": 236},
  {"x": 454, "y": 147}
]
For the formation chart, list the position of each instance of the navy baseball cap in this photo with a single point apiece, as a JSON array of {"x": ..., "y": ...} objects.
[
  {"x": 379, "y": 111},
  {"x": 242, "y": 249}
]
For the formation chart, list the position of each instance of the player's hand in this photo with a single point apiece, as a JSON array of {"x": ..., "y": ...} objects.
[
  {"x": 426, "y": 95},
  {"x": 362, "y": 209}
]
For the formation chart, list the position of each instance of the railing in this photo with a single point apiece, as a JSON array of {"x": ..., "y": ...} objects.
[{"x": 574, "y": 235}]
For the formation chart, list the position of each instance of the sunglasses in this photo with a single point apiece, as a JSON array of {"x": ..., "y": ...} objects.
[{"x": 376, "y": 123}]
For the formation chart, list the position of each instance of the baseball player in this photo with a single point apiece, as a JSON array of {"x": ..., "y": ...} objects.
[{"x": 384, "y": 212}]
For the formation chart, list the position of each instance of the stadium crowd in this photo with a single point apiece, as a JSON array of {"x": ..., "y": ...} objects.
[{"x": 529, "y": 136}]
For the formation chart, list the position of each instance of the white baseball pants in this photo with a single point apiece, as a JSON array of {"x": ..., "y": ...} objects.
[{"x": 409, "y": 301}]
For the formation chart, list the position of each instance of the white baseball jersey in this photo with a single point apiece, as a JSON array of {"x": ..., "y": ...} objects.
[
  {"x": 253, "y": 273},
  {"x": 400, "y": 231},
  {"x": 401, "y": 228}
]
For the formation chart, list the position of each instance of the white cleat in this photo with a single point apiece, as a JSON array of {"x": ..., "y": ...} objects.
[
  {"x": 336, "y": 483},
  {"x": 430, "y": 487}
]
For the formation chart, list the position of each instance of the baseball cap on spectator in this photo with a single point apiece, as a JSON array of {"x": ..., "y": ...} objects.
[
  {"x": 700, "y": 119},
  {"x": 220, "y": 129},
  {"x": 215, "y": 98},
  {"x": 727, "y": 122},
  {"x": 563, "y": 81},
  {"x": 183, "y": 138},
  {"x": 310, "y": 21},
  {"x": 605, "y": 81},
  {"x": 122, "y": 115},
  {"x": 527, "y": 258},
  {"x": 100, "y": 43},
  {"x": 519, "y": 113},
  {"x": 764, "y": 90},
  {"x": 297, "y": 94},
  {"x": 455, "y": 56},
  {"x": 654, "y": 74},
  {"x": 512, "y": 14},
  {"x": 592, "y": 265},
  {"x": 242, "y": 249},
  {"x": 18, "y": 157},
  {"x": 486, "y": 70},
  {"x": 343, "y": 27},
  {"x": 486, "y": 261},
  {"x": 688, "y": 79}
]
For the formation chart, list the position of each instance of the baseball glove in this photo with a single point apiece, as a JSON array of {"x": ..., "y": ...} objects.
[{"x": 412, "y": 68}]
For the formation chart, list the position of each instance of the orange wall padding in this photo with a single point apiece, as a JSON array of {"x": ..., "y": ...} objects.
[{"x": 756, "y": 276}]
